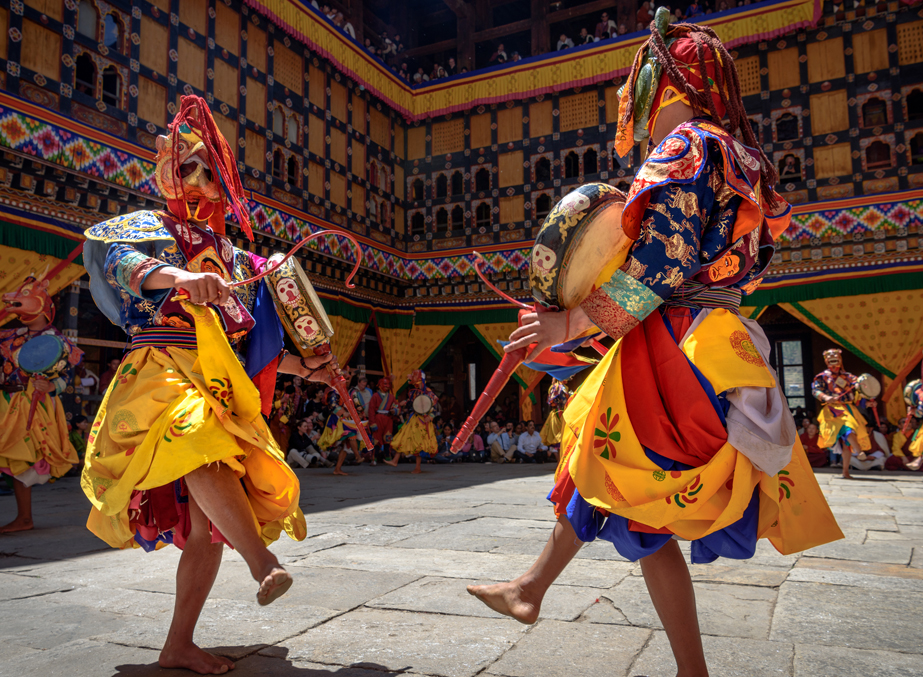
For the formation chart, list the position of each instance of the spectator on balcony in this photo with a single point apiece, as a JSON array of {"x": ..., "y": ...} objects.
[
  {"x": 451, "y": 68},
  {"x": 404, "y": 73},
  {"x": 694, "y": 10},
  {"x": 585, "y": 38},
  {"x": 645, "y": 15},
  {"x": 499, "y": 56},
  {"x": 623, "y": 29},
  {"x": 605, "y": 25},
  {"x": 515, "y": 57},
  {"x": 564, "y": 42}
]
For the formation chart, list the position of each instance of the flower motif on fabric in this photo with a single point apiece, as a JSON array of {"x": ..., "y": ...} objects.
[
  {"x": 124, "y": 423},
  {"x": 221, "y": 391},
  {"x": 744, "y": 348},
  {"x": 613, "y": 490},
  {"x": 605, "y": 436},
  {"x": 180, "y": 426},
  {"x": 687, "y": 495},
  {"x": 784, "y": 483},
  {"x": 128, "y": 369}
]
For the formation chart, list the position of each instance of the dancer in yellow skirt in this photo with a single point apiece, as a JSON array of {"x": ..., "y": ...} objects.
[
  {"x": 179, "y": 451},
  {"x": 33, "y": 454},
  {"x": 553, "y": 427},
  {"x": 418, "y": 435},
  {"x": 840, "y": 418},
  {"x": 681, "y": 431}
]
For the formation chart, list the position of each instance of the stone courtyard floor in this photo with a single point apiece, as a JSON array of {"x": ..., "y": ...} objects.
[{"x": 380, "y": 590}]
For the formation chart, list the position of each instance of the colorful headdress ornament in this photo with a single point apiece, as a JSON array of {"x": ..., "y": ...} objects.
[
  {"x": 700, "y": 73},
  {"x": 557, "y": 393},
  {"x": 331, "y": 397},
  {"x": 191, "y": 132}
]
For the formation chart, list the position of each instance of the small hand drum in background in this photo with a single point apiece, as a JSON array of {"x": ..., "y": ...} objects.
[
  {"x": 303, "y": 317},
  {"x": 422, "y": 404},
  {"x": 44, "y": 355},
  {"x": 912, "y": 395},
  {"x": 868, "y": 386}
]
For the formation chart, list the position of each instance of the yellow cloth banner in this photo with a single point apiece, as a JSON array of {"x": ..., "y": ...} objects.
[
  {"x": 492, "y": 333},
  {"x": 885, "y": 329},
  {"x": 17, "y": 264},
  {"x": 407, "y": 349},
  {"x": 346, "y": 336},
  {"x": 611, "y": 470}
]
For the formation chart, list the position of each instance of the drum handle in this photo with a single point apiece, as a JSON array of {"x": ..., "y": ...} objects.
[{"x": 291, "y": 253}]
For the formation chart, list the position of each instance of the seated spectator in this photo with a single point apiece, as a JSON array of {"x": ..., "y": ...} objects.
[
  {"x": 78, "y": 436},
  {"x": 499, "y": 56},
  {"x": 605, "y": 25},
  {"x": 423, "y": 76},
  {"x": 302, "y": 450},
  {"x": 475, "y": 448},
  {"x": 418, "y": 78},
  {"x": 677, "y": 17},
  {"x": 403, "y": 73},
  {"x": 694, "y": 10},
  {"x": 722, "y": 6},
  {"x": 515, "y": 57},
  {"x": 640, "y": 27},
  {"x": 387, "y": 47},
  {"x": 901, "y": 458},
  {"x": 585, "y": 38},
  {"x": 502, "y": 446},
  {"x": 817, "y": 457},
  {"x": 531, "y": 449},
  {"x": 452, "y": 69},
  {"x": 564, "y": 42},
  {"x": 874, "y": 457},
  {"x": 348, "y": 29},
  {"x": 645, "y": 15},
  {"x": 623, "y": 29}
]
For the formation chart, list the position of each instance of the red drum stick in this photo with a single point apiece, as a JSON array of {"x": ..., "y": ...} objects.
[
  {"x": 339, "y": 383},
  {"x": 36, "y": 398}
]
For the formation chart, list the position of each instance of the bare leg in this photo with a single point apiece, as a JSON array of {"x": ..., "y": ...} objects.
[
  {"x": 221, "y": 497},
  {"x": 847, "y": 454},
  {"x": 670, "y": 587},
  {"x": 342, "y": 457},
  {"x": 522, "y": 597},
  {"x": 416, "y": 470},
  {"x": 195, "y": 576},
  {"x": 23, "y": 521},
  {"x": 354, "y": 445}
]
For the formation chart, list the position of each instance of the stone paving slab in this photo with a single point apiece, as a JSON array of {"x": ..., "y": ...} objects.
[
  {"x": 726, "y": 657},
  {"x": 727, "y": 610},
  {"x": 813, "y": 661},
  {"x": 839, "y": 615},
  {"x": 454, "y": 646},
  {"x": 555, "y": 649},
  {"x": 87, "y": 658}
]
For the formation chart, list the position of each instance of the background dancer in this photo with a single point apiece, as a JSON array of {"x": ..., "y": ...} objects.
[
  {"x": 840, "y": 418},
  {"x": 418, "y": 435},
  {"x": 179, "y": 451},
  {"x": 704, "y": 447},
  {"x": 33, "y": 452}
]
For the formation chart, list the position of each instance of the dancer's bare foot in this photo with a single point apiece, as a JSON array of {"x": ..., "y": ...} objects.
[
  {"x": 18, "y": 524},
  {"x": 507, "y": 599},
  {"x": 193, "y": 658},
  {"x": 274, "y": 585},
  {"x": 340, "y": 472},
  {"x": 847, "y": 476},
  {"x": 862, "y": 456},
  {"x": 392, "y": 462},
  {"x": 416, "y": 472}
]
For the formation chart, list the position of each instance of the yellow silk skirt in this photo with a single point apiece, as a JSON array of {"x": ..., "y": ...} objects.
[
  {"x": 417, "y": 435},
  {"x": 47, "y": 440},
  {"x": 609, "y": 467},
  {"x": 170, "y": 411},
  {"x": 552, "y": 428},
  {"x": 834, "y": 417}
]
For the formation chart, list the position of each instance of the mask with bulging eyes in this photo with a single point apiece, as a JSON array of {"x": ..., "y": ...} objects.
[
  {"x": 543, "y": 258},
  {"x": 287, "y": 290}
]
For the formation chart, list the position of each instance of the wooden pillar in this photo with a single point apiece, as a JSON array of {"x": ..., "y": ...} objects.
[
  {"x": 541, "y": 31},
  {"x": 357, "y": 17},
  {"x": 466, "y": 27},
  {"x": 485, "y": 15}
]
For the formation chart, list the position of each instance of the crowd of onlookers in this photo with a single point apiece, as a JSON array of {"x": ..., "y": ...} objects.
[
  {"x": 889, "y": 446},
  {"x": 301, "y": 412},
  {"x": 390, "y": 48}
]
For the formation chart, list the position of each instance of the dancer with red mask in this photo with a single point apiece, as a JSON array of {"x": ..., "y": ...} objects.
[
  {"x": 179, "y": 452},
  {"x": 33, "y": 452},
  {"x": 681, "y": 430}
]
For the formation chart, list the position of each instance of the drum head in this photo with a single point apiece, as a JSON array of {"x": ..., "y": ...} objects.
[
  {"x": 579, "y": 237},
  {"x": 40, "y": 354},
  {"x": 869, "y": 386},
  {"x": 422, "y": 404},
  {"x": 304, "y": 318},
  {"x": 911, "y": 397}
]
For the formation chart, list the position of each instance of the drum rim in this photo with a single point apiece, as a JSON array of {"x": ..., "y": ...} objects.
[{"x": 44, "y": 338}]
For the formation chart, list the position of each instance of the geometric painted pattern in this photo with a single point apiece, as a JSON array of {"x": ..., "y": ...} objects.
[
  {"x": 850, "y": 221},
  {"x": 55, "y": 144}
]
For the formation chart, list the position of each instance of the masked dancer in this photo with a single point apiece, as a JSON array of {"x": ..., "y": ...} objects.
[
  {"x": 681, "y": 430},
  {"x": 418, "y": 435},
  {"x": 179, "y": 451},
  {"x": 34, "y": 441}
]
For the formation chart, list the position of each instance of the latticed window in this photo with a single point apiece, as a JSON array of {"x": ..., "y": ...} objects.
[{"x": 580, "y": 110}]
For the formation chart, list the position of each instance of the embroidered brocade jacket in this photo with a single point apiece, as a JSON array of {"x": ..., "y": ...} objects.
[{"x": 696, "y": 215}]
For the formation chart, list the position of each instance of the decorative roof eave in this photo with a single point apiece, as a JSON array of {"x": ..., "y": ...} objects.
[{"x": 544, "y": 74}]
